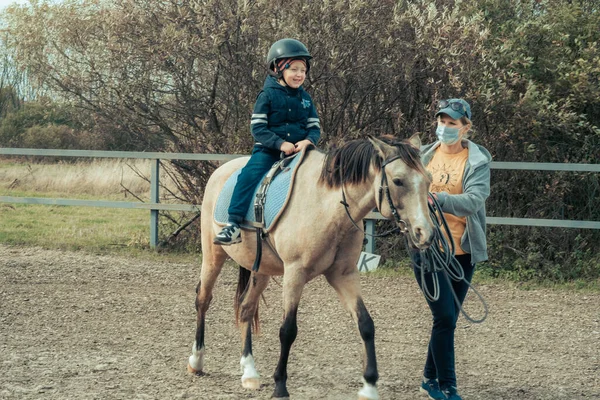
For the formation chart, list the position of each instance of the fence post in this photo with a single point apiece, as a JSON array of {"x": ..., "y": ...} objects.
[
  {"x": 370, "y": 240},
  {"x": 154, "y": 179}
]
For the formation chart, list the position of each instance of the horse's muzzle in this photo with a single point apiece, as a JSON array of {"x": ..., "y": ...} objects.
[{"x": 420, "y": 238}]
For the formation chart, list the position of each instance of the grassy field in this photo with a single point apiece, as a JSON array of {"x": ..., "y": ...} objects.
[
  {"x": 92, "y": 229},
  {"x": 73, "y": 227}
]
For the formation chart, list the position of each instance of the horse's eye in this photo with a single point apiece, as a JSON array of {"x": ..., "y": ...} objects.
[{"x": 397, "y": 182}]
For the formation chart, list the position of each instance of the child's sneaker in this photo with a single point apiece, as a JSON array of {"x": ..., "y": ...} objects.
[
  {"x": 451, "y": 393},
  {"x": 432, "y": 388},
  {"x": 230, "y": 234}
]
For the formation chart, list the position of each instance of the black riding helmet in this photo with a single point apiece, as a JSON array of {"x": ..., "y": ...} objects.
[{"x": 286, "y": 48}]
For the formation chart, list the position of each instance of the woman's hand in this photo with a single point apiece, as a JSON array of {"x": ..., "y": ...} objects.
[
  {"x": 434, "y": 195},
  {"x": 288, "y": 148},
  {"x": 301, "y": 145}
]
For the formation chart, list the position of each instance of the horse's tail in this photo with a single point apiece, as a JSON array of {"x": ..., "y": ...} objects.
[{"x": 242, "y": 288}]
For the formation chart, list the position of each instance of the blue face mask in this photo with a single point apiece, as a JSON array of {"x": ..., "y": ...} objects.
[{"x": 447, "y": 135}]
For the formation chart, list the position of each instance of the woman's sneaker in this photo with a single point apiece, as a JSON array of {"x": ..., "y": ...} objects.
[
  {"x": 230, "y": 234},
  {"x": 432, "y": 388},
  {"x": 451, "y": 393}
]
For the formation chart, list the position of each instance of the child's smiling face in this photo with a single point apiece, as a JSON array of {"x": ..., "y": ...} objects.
[{"x": 295, "y": 75}]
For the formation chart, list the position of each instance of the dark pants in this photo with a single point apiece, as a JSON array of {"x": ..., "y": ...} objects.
[
  {"x": 440, "y": 353},
  {"x": 259, "y": 164}
]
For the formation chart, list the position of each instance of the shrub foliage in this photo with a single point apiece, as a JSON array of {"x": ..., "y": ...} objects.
[{"x": 181, "y": 75}]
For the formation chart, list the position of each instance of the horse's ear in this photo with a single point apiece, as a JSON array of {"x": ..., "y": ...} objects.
[
  {"x": 415, "y": 141},
  {"x": 384, "y": 150}
]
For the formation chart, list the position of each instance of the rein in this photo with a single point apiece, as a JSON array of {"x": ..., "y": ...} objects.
[
  {"x": 383, "y": 185},
  {"x": 439, "y": 258}
]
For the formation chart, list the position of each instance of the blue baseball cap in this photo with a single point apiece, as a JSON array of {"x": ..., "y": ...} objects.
[{"x": 455, "y": 108}]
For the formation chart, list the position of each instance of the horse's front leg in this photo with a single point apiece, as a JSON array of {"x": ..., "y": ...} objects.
[
  {"x": 293, "y": 284},
  {"x": 347, "y": 285},
  {"x": 247, "y": 316}
]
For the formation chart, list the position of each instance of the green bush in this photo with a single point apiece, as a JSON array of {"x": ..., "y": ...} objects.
[{"x": 41, "y": 124}]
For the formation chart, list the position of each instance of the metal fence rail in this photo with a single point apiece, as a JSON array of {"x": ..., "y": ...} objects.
[{"x": 154, "y": 206}]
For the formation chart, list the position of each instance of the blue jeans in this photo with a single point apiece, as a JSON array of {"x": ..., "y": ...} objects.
[
  {"x": 440, "y": 352},
  {"x": 260, "y": 163}
]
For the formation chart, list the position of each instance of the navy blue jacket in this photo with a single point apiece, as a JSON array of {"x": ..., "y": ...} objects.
[{"x": 283, "y": 114}]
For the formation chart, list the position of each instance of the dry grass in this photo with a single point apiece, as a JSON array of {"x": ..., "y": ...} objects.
[
  {"x": 96, "y": 178},
  {"x": 71, "y": 227}
]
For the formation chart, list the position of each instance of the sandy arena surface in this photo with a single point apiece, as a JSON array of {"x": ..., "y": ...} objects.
[{"x": 82, "y": 326}]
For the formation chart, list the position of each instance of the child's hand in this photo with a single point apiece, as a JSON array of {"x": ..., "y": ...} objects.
[
  {"x": 301, "y": 145},
  {"x": 287, "y": 147}
]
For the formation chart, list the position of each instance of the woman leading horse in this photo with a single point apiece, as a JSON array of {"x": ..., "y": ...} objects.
[{"x": 316, "y": 234}]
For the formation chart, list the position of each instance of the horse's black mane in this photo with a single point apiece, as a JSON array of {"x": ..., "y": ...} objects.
[{"x": 350, "y": 163}]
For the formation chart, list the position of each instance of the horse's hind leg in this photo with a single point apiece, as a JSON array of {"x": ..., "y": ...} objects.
[
  {"x": 247, "y": 315},
  {"x": 347, "y": 285},
  {"x": 213, "y": 258}
]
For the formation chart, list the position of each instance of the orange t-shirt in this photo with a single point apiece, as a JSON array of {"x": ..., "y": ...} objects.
[{"x": 447, "y": 172}]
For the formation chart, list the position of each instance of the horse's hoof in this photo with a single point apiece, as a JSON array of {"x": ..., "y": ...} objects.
[
  {"x": 194, "y": 371},
  {"x": 367, "y": 398},
  {"x": 281, "y": 395},
  {"x": 368, "y": 392},
  {"x": 251, "y": 383}
]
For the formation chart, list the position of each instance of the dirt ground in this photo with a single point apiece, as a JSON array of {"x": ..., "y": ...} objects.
[{"x": 81, "y": 326}]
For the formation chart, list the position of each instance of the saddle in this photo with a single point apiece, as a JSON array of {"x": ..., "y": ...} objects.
[{"x": 270, "y": 197}]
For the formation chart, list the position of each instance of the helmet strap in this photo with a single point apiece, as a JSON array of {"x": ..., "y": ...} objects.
[
  {"x": 283, "y": 79},
  {"x": 278, "y": 73}
]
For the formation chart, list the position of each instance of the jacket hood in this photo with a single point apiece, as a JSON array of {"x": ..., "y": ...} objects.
[{"x": 477, "y": 154}]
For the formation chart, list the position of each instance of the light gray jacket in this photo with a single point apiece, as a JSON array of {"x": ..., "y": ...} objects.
[{"x": 471, "y": 203}]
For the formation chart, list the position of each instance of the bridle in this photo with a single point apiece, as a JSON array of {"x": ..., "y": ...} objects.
[
  {"x": 437, "y": 258},
  {"x": 401, "y": 225},
  {"x": 384, "y": 185}
]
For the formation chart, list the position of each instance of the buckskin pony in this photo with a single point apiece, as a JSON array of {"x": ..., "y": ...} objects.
[{"x": 316, "y": 235}]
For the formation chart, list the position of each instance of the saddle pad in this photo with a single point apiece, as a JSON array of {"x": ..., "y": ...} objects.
[{"x": 276, "y": 197}]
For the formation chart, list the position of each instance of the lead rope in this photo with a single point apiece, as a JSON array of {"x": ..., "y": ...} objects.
[{"x": 439, "y": 258}]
